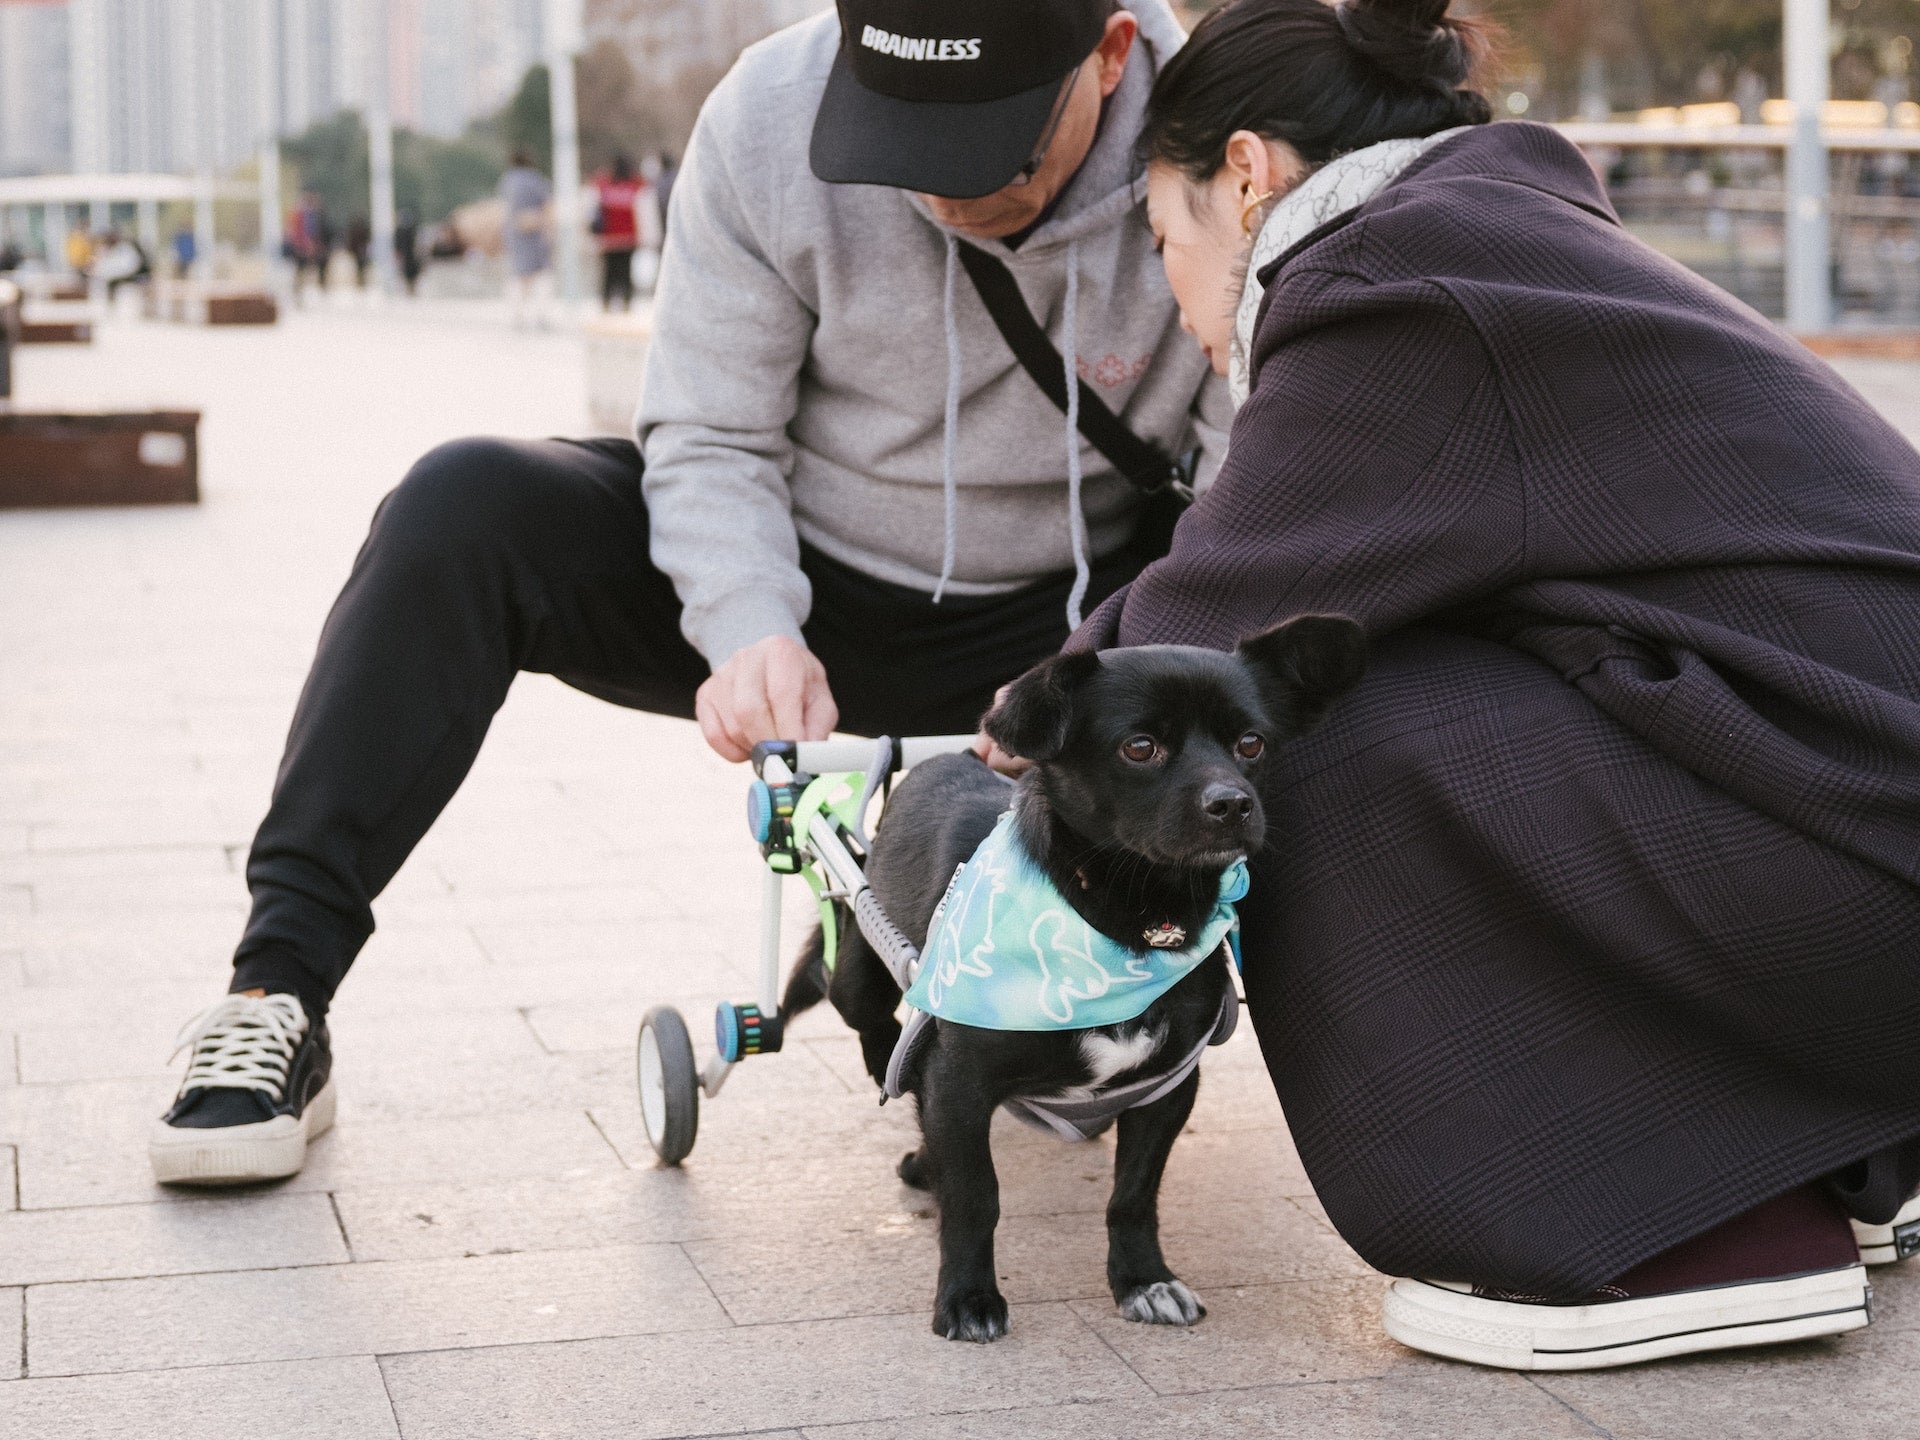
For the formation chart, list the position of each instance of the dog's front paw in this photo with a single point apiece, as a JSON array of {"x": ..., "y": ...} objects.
[
  {"x": 1165, "y": 1302},
  {"x": 977, "y": 1315}
]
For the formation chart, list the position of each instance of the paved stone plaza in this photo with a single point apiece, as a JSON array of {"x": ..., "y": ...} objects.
[{"x": 483, "y": 1247}]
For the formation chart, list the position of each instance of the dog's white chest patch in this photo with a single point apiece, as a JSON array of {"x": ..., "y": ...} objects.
[{"x": 1108, "y": 1055}]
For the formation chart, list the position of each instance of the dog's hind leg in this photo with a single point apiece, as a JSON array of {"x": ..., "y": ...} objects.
[
  {"x": 807, "y": 985},
  {"x": 1143, "y": 1287},
  {"x": 863, "y": 991}
]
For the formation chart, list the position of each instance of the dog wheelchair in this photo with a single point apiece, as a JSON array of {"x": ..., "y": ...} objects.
[{"x": 806, "y": 810}]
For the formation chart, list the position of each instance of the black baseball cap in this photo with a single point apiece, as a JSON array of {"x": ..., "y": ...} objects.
[{"x": 948, "y": 97}]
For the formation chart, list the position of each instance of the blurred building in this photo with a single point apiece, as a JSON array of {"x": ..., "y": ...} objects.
[
  {"x": 34, "y": 108},
  {"x": 473, "y": 55},
  {"x": 105, "y": 86}
]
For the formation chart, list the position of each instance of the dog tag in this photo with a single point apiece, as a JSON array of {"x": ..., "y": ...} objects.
[{"x": 1166, "y": 936}]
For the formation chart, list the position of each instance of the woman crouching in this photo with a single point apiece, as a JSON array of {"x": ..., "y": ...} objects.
[{"x": 1586, "y": 952}]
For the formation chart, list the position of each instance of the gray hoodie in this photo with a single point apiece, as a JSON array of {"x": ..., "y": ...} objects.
[{"x": 821, "y": 370}]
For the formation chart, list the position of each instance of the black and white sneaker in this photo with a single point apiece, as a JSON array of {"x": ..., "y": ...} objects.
[
  {"x": 1898, "y": 1239},
  {"x": 1786, "y": 1270},
  {"x": 259, "y": 1086}
]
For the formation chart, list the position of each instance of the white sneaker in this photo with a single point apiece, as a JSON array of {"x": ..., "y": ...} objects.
[
  {"x": 1785, "y": 1270},
  {"x": 258, "y": 1087},
  {"x": 1532, "y": 1335},
  {"x": 1895, "y": 1240}
]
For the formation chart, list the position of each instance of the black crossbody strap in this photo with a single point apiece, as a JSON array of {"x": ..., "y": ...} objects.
[{"x": 1143, "y": 463}]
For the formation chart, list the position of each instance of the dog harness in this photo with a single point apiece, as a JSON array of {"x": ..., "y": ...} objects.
[{"x": 1005, "y": 951}]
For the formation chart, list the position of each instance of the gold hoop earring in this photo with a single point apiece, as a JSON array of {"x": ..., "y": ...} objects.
[{"x": 1254, "y": 202}]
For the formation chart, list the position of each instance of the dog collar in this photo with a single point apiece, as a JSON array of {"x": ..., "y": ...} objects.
[{"x": 1005, "y": 951}]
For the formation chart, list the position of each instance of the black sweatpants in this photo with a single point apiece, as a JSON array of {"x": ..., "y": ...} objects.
[{"x": 497, "y": 556}]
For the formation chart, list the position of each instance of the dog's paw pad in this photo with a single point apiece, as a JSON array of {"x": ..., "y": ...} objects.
[
  {"x": 979, "y": 1317},
  {"x": 1165, "y": 1302}
]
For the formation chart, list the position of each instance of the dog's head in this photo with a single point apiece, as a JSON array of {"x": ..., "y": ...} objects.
[{"x": 1156, "y": 749}]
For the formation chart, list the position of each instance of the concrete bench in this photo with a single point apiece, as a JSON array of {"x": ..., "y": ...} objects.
[
  {"x": 102, "y": 458},
  {"x": 194, "y": 304},
  {"x": 41, "y": 330}
]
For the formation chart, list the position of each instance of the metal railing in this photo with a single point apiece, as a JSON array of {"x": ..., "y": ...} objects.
[{"x": 1714, "y": 196}]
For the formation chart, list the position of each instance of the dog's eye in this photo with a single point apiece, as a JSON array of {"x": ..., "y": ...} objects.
[
  {"x": 1140, "y": 749},
  {"x": 1251, "y": 746}
]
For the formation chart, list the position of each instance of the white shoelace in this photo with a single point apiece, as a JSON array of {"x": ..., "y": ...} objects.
[{"x": 244, "y": 1042}]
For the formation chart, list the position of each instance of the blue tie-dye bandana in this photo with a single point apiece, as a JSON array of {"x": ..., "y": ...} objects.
[{"x": 1005, "y": 951}]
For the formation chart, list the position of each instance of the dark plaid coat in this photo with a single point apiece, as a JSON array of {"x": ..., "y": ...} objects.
[{"x": 1593, "y": 917}]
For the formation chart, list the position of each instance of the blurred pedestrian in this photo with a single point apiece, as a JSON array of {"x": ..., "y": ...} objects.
[
  {"x": 185, "y": 251},
  {"x": 406, "y": 249},
  {"x": 123, "y": 261},
  {"x": 360, "y": 246},
  {"x": 309, "y": 242},
  {"x": 617, "y": 227},
  {"x": 80, "y": 253},
  {"x": 527, "y": 194}
]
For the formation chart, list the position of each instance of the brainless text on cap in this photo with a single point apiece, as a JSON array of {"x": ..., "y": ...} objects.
[{"x": 904, "y": 47}]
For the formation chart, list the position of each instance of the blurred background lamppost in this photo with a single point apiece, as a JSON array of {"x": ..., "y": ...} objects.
[
  {"x": 1809, "y": 280},
  {"x": 267, "y": 118},
  {"x": 380, "y": 145},
  {"x": 562, "y": 31}
]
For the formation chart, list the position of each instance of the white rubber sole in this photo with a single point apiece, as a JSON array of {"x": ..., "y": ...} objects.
[
  {"x": 1514, "y": 1336},
  {"x": 239, "y": 1154},
  {"x": 1896, "y": 1240}
]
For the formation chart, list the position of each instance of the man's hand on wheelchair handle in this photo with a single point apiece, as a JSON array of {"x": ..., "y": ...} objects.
[{"x": 775, "y": 689}]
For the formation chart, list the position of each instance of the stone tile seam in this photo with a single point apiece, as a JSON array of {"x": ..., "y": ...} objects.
[
  {"x": 340, "y": 1221},
  {"x": 363, "y": 1264},
  {"x": 708, "y": 1284},
  {"x": 386, "y": 1389},
  {"x": 1572, "y": 1409},
  {"x": 1106, "y": 1344},
  {"x": 525, "y": 1012},
  {"x": 106, "y": 852},
  {"x": 601, "y": 1131},
  {"x": 825, "y": 1430},
  {"x": 30, "y": 1285},
  {"x": 1092, "y": 1295},
  {"x": 377, "y": 1354},
  {"x": 385, "y": 1355},
  {"x": 486, "y": 955}
]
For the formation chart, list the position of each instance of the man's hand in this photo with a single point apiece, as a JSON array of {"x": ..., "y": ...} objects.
[
  {"x": 773, "y": 690},
  {"x": 996, "y": 758}
]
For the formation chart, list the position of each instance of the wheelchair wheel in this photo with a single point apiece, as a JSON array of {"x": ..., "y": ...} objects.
[{"x": 669, "y": 1084}]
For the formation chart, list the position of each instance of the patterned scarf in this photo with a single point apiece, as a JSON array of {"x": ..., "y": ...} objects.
[
  {"x": 1005, "y": 951},
  {"x": 1335, "y": 188}
]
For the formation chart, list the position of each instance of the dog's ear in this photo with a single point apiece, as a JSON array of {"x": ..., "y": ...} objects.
[
  {"x": 1304, "y": 665},
  {"x": 1033, "y": 714}
]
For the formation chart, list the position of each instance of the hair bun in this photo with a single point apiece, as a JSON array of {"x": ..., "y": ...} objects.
[{"x": 1412, "y": 40}]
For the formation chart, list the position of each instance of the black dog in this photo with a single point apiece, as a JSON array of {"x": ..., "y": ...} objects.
[{"x": 1142, "y": 795}]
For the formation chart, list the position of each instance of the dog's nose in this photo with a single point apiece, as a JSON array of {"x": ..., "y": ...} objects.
[{"x": 1226, "y": 803}]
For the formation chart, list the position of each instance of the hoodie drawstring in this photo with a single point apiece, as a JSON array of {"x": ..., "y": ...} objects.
[
  {"x": 950, "y": 436},
  {"x": 1076, "y": 521}
]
